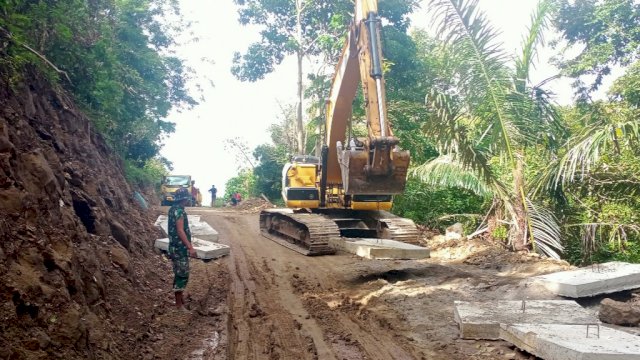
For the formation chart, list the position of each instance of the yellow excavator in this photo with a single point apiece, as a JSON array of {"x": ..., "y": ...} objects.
[{"x": 348, "y": 190}]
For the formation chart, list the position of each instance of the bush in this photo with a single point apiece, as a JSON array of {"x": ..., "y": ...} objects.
[
  {"x": 150, "y": 175},
  {"x": 434, "y": 207}
]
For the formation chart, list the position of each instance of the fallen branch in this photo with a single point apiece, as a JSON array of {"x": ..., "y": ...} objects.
[
  {"x": 52, "y": 65},
  {"x": 476, "y": 233},
  {"x": 266, "y": 199}
]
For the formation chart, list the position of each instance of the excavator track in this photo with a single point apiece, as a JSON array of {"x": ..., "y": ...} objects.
[
  {"x": 403, "y": 230},
  {"x": 308, "y": 234},
  {"x": 398, "y": 228}
]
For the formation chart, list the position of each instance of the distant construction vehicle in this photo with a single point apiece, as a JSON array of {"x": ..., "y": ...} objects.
[
  {"x": 171, "y": 183},
  {"x": 348, "y": 190}
]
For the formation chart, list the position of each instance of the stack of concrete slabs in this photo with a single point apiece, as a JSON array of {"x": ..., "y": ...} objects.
[
  {"x": 572, "y": 342},
  {"x": 205, "y": 250},
  {"x": 197, "y": 227},
  {"x": 482, "y": 320},
  {"x": 593, "y": 280}
]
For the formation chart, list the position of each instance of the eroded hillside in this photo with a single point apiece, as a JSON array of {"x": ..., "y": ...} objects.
[{"x": 76, "y": 252}]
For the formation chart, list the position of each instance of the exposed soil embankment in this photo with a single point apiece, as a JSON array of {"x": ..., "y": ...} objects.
[{"x": 76, "y": 254}]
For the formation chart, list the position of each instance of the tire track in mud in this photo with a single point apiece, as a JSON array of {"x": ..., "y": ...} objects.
[
  {"x": 287, "y": 306},
  {"x": 354, "y": 334},
  {"x": 329, "y": 333},
  {"x": 258, "y": 326}
]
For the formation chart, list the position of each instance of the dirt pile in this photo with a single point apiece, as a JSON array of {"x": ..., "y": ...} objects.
[
  {"x": 76, "y": 252},
  {"x": 620, "y": 313},
  {"x": 486, "y": 253},
  {"x": 252, "y": 205}
]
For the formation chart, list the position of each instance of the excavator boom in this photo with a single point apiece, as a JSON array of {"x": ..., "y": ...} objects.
[
  {"x": 378, "y": 166},
  {"x": 345, "y": 193}
]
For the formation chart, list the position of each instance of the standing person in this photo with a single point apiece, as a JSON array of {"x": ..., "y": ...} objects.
[
  {"x": 213, "y": 192},
  {"x": 238, "y": 197},
  {"x": 194, "y": 193},
  {"x": 180, "y": 247}
]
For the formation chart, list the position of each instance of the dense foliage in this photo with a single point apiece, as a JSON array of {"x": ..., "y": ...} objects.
[
  {"x": 114, "y": 57},
  {"x": 486, "y": 144},
  {"x": 243, "y": 183},
  {"x": 489, "y": 148}
]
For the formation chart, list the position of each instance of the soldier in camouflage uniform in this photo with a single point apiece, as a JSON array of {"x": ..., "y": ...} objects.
[{"x": 180, "y": 247}]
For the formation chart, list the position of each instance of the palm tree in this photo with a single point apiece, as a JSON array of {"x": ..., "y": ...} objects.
[
  {"x": 601, "y": 160},
  {"x": 487, "y": 116}
]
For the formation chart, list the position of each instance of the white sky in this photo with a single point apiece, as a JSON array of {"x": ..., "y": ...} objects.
[{"x": 233, "y": 108}]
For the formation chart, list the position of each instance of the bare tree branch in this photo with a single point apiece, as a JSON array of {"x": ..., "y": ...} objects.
[{"x": 52, "y": 65}]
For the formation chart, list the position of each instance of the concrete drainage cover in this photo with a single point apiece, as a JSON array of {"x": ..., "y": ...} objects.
[
  {"x": 593, "y": 280},
  {"x": 197, "y": 227},
  {"x": 481, "y": 320},
  {"x": 572, "y": 342}
]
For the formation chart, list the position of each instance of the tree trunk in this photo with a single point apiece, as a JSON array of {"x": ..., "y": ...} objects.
[
  {"x": 518, "y": 234},
  {"x": 300, "y": 54},
  {"x": 319, "y": 138}
]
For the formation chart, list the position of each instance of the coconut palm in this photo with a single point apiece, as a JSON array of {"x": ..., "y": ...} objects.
[{"x": 486, "y": 117}]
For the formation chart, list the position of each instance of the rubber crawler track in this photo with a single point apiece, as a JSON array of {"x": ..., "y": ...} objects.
[{"x": 315, "y": 231}]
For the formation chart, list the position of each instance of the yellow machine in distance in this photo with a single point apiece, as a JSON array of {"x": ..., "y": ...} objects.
[
  {"x": 347, "y": 190},
  {"x": 171, "y": 183}
]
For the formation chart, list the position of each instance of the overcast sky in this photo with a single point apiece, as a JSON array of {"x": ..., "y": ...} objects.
[{"x": 232, "y": 108}]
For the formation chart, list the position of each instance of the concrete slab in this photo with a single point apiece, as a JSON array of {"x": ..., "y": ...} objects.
[
  {"x": 205, "y": 249},
  {"x": 593, "y": 280},
  {"x": 380, "y": 248},
  {"x": 572, "y": 342},
  {"x": 198, "y": 227},
  {"x": 481, "y": 320}
]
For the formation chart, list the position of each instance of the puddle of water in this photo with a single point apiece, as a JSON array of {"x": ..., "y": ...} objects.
[{"x": 208, "y": 344}]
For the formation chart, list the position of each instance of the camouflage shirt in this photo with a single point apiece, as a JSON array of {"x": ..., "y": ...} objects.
[{"x": 176, "y": 246}]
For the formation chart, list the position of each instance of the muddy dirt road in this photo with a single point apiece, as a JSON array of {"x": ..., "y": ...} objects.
[{"x": 267, "y": 302}]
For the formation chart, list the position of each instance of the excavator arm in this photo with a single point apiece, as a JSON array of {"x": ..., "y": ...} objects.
[
  {"x": 375, "y": 166},
  {"x": 357, "y": 176}
]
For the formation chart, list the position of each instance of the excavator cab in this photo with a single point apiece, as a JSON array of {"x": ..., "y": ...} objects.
[{"x": 299, "y": 182}]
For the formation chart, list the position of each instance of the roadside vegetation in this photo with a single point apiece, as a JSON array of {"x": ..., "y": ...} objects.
[
  {"x": 114, "y": 57},
  {"x": 490, "y": 148}
]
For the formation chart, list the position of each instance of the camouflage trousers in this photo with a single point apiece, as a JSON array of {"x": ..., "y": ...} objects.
[{"x": 180, "y": 271}]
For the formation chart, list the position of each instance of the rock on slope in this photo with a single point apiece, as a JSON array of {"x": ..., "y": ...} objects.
[{"x": 76, "y": 254}]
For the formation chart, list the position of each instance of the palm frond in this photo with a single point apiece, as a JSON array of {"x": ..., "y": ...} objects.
[
  {"x": 484, "y": 76},
  {"x": 546, "y": 231},
  {"x": 535, "y": 114},
  {"x": 444, "y": 171},
  {"x": 596, "y": 234},
  {"x": 530, "y": 43},
  {"x": 449, "y": 127},
  {"x": 585, "y": 152}
]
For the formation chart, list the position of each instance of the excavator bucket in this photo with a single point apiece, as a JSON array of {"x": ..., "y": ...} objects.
[{"x": 386, "y": 177}]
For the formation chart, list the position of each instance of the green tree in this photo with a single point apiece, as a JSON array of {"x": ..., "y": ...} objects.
[
  {"x": 596, "y": 174},
  {"x": 485, "y": 118},
  {"x": 268, "y": 172},
  {"x": 290, "y": 27},
  {"x": 114, "y": 57},
  {"x": 594, "y": 180},
  {"x": 608, "y": 33},
  {"x": 243, "y": 183}
]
